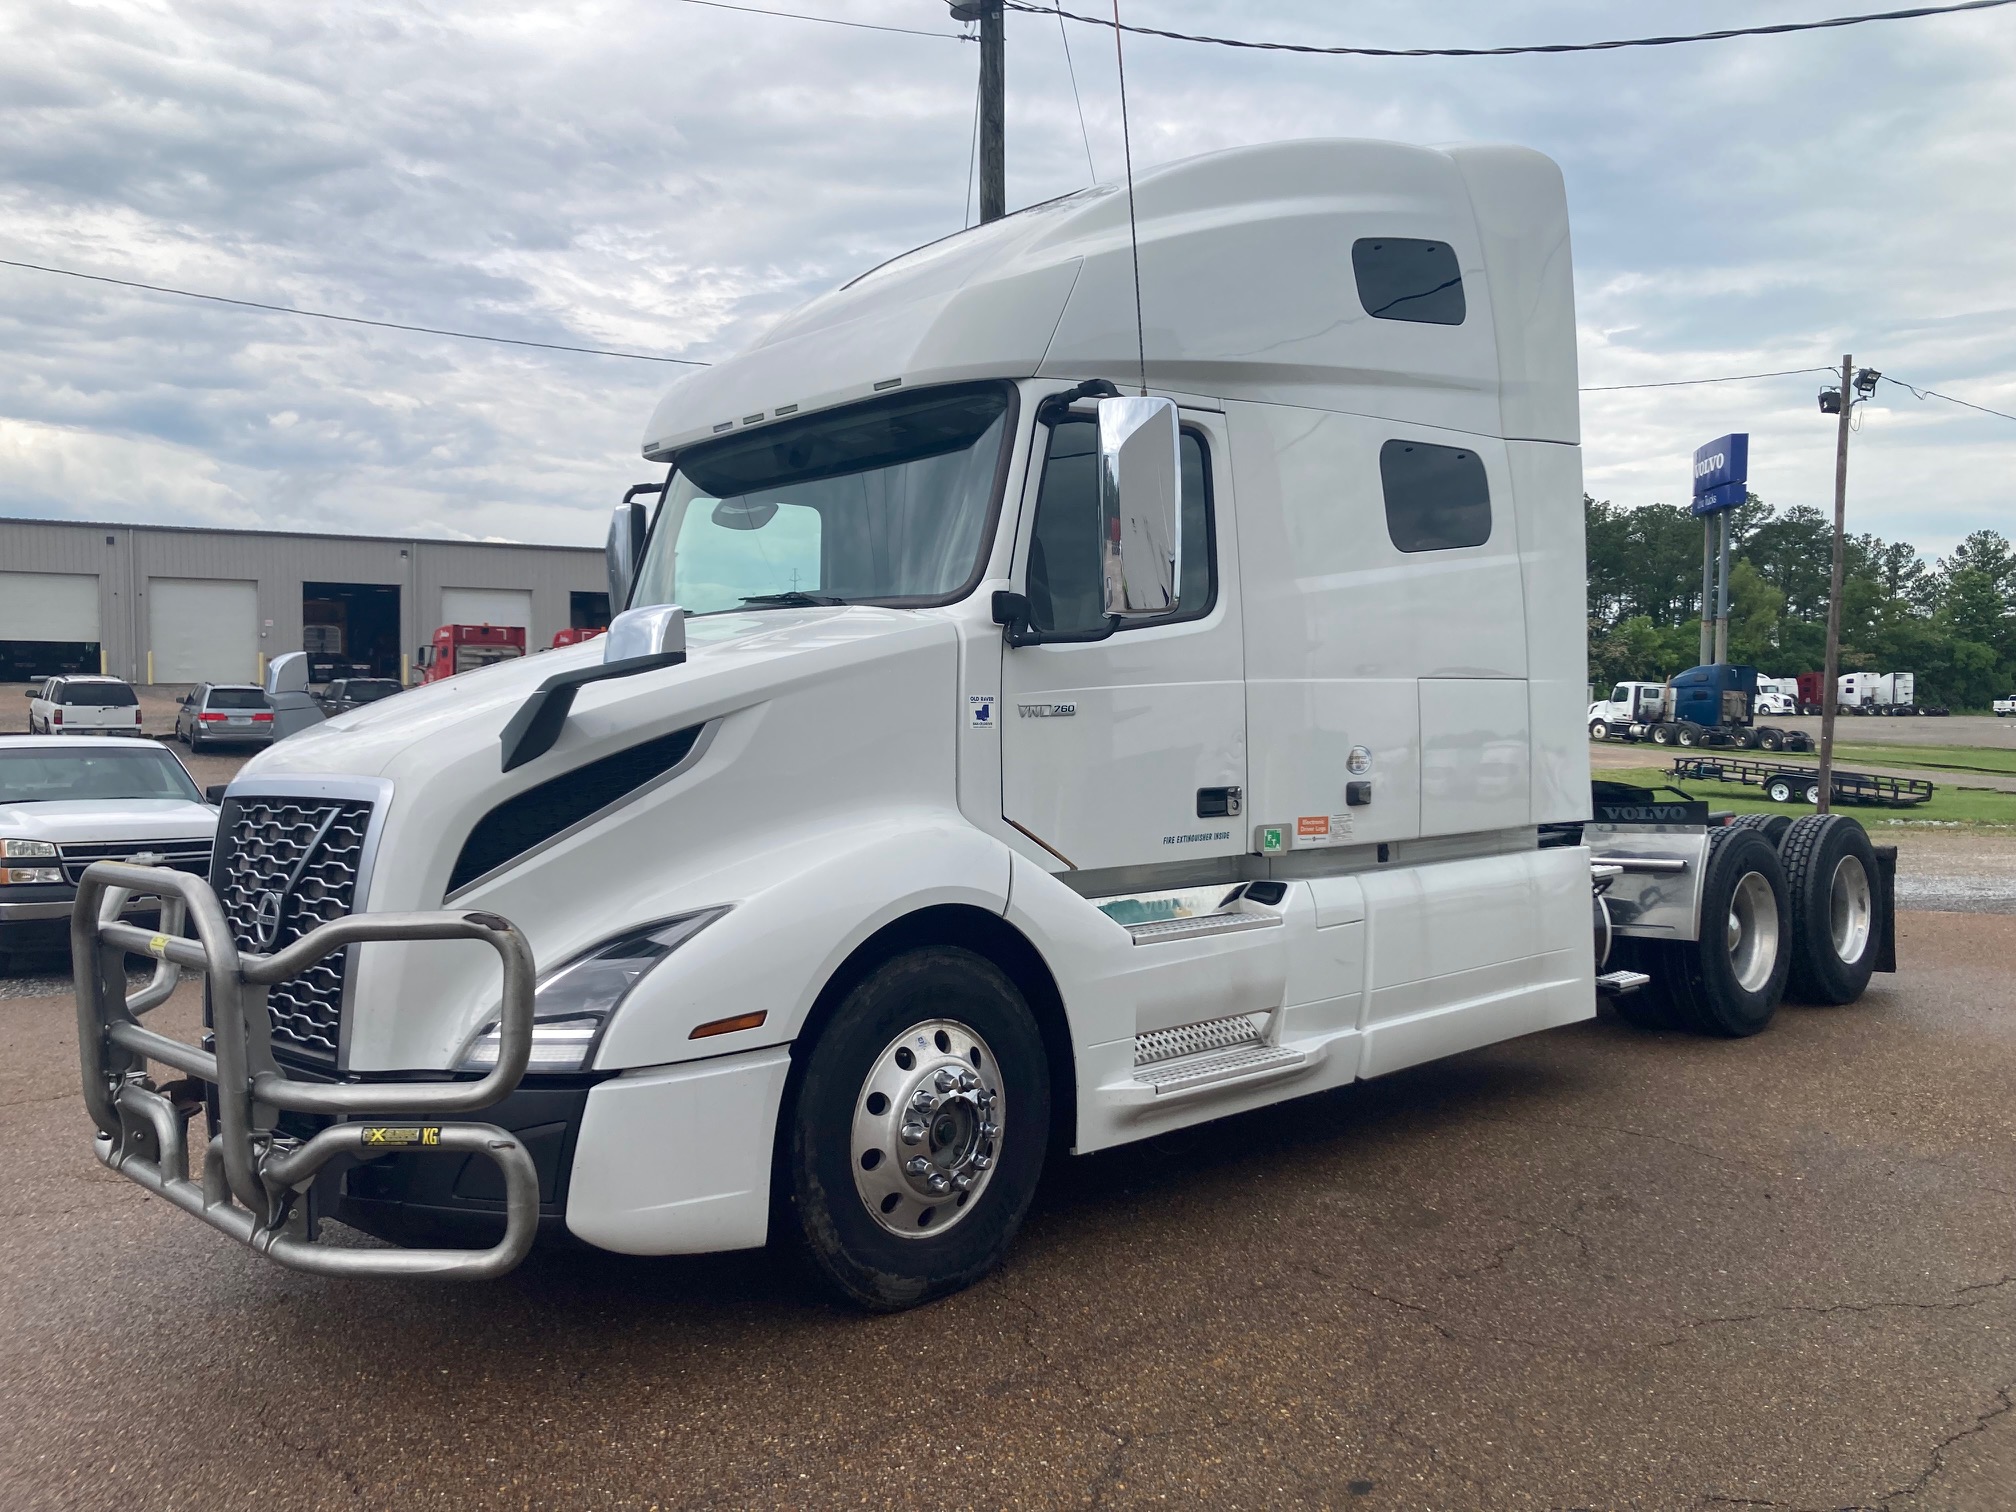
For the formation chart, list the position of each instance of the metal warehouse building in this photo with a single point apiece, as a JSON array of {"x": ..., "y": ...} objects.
[{"x": 165, "y": 604}]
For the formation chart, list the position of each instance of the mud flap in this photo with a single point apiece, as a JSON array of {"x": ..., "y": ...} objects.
[{"x": 1886, "y": 916}]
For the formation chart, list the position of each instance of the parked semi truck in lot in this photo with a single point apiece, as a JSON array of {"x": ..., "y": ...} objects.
[
  {"x": 991, "y": 761},
  {"x": 1713, "y": 705},
  {"x": 464, "y": 648}
]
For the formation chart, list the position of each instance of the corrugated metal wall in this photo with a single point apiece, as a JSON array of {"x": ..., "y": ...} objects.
[{"x": 125, "y": 557}]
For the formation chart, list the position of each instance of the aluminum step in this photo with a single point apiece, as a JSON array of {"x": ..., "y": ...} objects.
[
  {"x": 1242, "y": 1063},
  {"x": 1194, "y": 1039},
  {"x": 1166, "y": 931},
  {"x": 1617, "y": 983}
]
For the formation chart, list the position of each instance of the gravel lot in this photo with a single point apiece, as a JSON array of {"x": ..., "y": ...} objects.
[{"x": 1594, "y": 1268}]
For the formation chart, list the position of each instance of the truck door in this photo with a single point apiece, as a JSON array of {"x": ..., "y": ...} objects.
[{"x": 1129, "y": 750}]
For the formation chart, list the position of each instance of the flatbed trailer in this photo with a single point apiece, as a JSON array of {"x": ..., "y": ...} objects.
[{"x": 1783, "y": 782}]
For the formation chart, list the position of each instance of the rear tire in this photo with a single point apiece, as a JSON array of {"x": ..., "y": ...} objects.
[
  {"x": 1688, "y": 736},
  {"x": 1770, "y": 740},
  {"x": 1662, "y": 734},
  {"x": 1779, "y": 790},
  {"x": 870, "y": 1233},
  {"x": 1729, "y": 981},
  {"x": 1771, "y": 826},
  {"x": 1835, "y": 893}
]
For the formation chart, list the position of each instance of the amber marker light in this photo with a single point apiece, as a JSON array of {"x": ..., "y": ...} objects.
[{"x": 730, "y": 1025}]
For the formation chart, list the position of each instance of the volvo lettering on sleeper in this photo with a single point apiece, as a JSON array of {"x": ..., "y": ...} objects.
[{"x": 759, "y": 921}]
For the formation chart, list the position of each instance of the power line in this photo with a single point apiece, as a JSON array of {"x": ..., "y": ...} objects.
[
  {"x": 385, "y": 325},
  {"x": 1085, "y": 136},
  {"x": 757, "y": 10},
  {"x": 1507, "y": 52},
  {"x": 1925, "y": 393},
  {"x": 1611, "y": 388}
]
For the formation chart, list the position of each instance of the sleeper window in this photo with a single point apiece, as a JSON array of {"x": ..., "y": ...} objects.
[
  {"x": 1436, "y": 496},
  {"x": 1065, "y": 592},
  {"x": 1400, "y": 278}
]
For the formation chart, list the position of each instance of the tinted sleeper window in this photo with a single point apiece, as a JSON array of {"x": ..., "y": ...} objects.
[
  {"x": 1400, "y": 278},
  {"x": 1436, "y": 496}
]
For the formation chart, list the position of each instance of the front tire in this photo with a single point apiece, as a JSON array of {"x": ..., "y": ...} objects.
[
  {"x": 1599, "y": 730},
  {"x": 917, "y": 1132}
]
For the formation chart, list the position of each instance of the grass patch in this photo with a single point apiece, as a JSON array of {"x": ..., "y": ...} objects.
[
  {"x": 1948, "y": 805},
  {"x": 1991, "y": 760}
]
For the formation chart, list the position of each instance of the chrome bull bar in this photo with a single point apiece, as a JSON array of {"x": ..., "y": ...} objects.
[{"x": 254, "y": 1175}]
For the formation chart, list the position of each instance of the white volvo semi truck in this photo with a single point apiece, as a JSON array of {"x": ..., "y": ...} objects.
[{"x": 994, "y": 761}]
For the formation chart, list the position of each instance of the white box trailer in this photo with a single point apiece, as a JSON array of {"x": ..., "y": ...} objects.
[{"x": 992, "y": 758}]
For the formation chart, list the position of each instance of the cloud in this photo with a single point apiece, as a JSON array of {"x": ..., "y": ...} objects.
[{"x": 669, "y": 178}]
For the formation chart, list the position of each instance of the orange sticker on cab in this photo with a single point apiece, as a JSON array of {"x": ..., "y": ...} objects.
[{"x": 1312, "y": 826}]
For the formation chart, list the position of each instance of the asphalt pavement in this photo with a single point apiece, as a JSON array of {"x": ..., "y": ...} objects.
[{"x": 1593, "y": 1268}]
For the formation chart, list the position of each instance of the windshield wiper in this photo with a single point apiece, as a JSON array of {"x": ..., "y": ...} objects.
[{"x": 792, "y": 598}]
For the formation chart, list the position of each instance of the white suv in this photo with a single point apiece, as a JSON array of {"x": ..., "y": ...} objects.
[{"x": 83, "y": 706}]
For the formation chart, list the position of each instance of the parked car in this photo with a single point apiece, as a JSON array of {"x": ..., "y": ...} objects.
[
  {"x": 66, "y": 802},
  {"x": 348, "y": 693},
  {"x": 83, "y": 706},
  {"x": 216, "y": 713}
]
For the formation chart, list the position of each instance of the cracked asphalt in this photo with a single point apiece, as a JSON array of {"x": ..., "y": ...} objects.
[{"x": 1595, "y": 1268}]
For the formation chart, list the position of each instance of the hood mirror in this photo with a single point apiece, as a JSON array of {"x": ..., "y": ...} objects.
[
  {"x": 655, "y": 631},
  {"x": 1140, "y": 506}
]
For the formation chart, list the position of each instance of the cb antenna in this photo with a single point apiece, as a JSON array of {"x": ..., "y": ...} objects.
[{"x": 1133, "y": 232}]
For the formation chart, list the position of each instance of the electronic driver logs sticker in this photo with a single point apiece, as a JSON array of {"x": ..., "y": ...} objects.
[
  {"x": 1314, "y": 831},
  {"x": 400, "y": 1136}
]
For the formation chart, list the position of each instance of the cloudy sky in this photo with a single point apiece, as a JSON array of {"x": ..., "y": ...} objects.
[{"x": 667, "y": 177}]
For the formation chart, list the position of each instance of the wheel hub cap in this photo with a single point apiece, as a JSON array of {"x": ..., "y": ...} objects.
[
  {"x": 1850, "y": 911},
  {"x": 927, "y": 1128},
  {"x": 1752, "y": 932}
]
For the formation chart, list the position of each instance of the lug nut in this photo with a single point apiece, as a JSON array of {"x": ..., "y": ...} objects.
[
  {"x": 925, "y": 1100},
  {"x": 913, "y": 1133},
  {"x": 939, "y": 1183},
  {"x": 946, "y": 1080},
  {"x": 916, "y": 1165},
  {"x": 968, "y": 1081},
  {"x": 982, "y": 1162},
  {"x": 988, "y": 1130},
  {"x": 963, "y": 1181}
]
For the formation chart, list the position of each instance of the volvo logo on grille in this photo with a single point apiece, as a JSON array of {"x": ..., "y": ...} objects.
[
  {"x": 266, "y": 915},
  {"x": 269, "y": 909}
]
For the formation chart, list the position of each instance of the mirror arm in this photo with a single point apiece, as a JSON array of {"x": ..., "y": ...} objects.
[
  {"x": 1011, "y": 612},
  {"x": 1054, "y": 408}
]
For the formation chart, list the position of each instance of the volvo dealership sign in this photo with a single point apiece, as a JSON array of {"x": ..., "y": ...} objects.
[{"x": 1721, "y": 474}]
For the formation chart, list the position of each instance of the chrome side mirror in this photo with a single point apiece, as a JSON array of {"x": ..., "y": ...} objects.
[
  {"x": 652, "y": 631},
  {"x": 1140, "y": 506},
  {"x": 624, "y": 550}
]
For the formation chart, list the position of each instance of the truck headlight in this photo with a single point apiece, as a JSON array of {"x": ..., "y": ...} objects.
[
  {"x": 22, "y": 849},
  {"x": 573, "y": 1003},
  {"x": 28, "y": 876}
]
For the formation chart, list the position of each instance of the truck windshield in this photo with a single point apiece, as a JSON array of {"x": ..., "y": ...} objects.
[{"x": 886, "y": 502}]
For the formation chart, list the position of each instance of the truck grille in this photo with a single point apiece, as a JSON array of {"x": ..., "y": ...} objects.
[
  {"x": 191, "y": 855},
  {"x": 285, "y": 866}
]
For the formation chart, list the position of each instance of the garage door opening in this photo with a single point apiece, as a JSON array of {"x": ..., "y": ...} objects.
[
  {"x": 48, "y": 624},
  {"x": 350, "y": 629},
  {"x": 587, "y": 611}
]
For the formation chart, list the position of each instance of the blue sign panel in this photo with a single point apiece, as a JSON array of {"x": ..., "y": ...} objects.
[
  {"x": 1721, "y": 473},
  {"x": 1726, "y": 496}
]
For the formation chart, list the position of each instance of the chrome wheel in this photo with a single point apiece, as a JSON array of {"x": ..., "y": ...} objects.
[
  {"x": 927, "y": 1128},
  {"x": 1851, "y": 910},
  {"x": 1753, "y": 932}
]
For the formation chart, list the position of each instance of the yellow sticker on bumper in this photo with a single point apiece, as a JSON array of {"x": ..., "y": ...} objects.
[
  {"x": 158, "y": 947},
  {"x": 400, "y": 1136}
]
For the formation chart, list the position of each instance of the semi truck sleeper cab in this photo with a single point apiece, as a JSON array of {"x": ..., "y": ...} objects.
[{"x": 1007, "y": 747}]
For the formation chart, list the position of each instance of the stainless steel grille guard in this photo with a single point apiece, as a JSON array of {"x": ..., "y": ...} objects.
[{"x": 251, "y": 1173}]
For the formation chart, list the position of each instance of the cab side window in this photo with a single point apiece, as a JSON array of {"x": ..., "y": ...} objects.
[
  {"x": 1404, "y": 278},
  {"x": 1437, "y": 497},
  {"x": 1065, "y": 589}
]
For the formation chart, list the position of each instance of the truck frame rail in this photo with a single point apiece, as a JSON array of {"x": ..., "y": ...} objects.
[
  {"x": 254, "y": 1175},
  {"x": 1849, "y": 787}
]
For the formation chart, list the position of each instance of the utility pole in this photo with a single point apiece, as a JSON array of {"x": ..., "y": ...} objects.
[
  {"x": 1830, "y": 687},
  {"x": 993, "y": 103}
]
